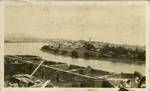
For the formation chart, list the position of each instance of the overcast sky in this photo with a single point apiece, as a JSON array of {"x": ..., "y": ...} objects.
[{"x": 107, "y": 23}]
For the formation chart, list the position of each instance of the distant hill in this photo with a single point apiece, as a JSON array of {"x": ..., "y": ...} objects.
[{"x": 20, "y": 37}]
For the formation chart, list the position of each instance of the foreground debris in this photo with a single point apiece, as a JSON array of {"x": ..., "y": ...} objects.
[{"x": 33, "y": 71}]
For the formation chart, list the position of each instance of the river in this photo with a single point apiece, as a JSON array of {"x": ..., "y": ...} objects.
[{"x": 34, "y": 49}]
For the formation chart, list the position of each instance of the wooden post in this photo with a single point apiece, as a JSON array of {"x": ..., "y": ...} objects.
[{"x": 37, "y": 68}]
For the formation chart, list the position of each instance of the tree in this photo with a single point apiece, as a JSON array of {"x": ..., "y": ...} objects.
[
  {"x": 88, "y": 46},
  {"x": 74, "y": 54}
]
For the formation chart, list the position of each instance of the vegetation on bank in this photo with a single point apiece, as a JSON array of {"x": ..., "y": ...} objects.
[{"x": 89, "y": 50}]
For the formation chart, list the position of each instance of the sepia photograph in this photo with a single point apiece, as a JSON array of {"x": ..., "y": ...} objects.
[{"x": 75, "y": 46}]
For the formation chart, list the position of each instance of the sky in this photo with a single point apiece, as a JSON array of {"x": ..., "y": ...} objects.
[{"x": 120, "y": 24}]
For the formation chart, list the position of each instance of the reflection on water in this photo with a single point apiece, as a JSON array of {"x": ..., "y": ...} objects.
[{"x": 34, "y": 49}]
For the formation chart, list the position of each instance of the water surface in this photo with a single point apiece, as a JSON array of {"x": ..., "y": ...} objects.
[{"x": 34, "y": 49}]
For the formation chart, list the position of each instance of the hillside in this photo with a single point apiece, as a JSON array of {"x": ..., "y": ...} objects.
[{"x": 20, "y": 37}]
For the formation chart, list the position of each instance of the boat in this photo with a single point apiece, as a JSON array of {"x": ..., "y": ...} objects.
[{"x": 34, "y": 71}]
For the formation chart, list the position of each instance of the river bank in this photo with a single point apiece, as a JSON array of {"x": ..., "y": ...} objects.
[{"x": 95, "y": 50}]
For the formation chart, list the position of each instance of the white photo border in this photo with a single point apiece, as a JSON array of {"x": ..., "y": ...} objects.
[{"x": 32, "y": 2}]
